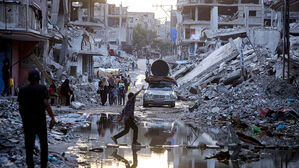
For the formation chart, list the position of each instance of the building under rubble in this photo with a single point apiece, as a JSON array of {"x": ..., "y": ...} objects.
[
  {"x": 200, "y": 15},
  {"x": 204, "y": 23}
]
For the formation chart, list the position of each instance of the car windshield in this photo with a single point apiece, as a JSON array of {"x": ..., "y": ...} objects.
[{"x": 160, "y": 86}]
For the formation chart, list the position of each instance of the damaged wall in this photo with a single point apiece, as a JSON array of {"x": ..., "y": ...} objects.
[{"x": 264, "y": 38}]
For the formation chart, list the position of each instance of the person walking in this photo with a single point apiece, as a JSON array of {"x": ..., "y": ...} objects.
[
  {"x": 66, "y": 92},
  {"x": 128, "y": 115},
  {"x": 115, "y": 92},
  {"x": 33, "y": 101},
  {"x": 103, "y": 86},
  {"x": 121, "y": 93},
  {"x": 111, "y": 82}
]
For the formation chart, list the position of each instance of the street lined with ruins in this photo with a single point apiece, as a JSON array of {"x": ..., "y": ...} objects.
[{"x": 149, "y": 83}]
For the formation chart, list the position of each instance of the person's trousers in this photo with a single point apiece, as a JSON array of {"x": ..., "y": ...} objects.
[
  {"x": 129, "y": 123},
  {"x": 121, "y": 100},
  {"x": 111, "y": 98},
  {"x": 103, "y": 97},
  {"x": 30, "y": 134}
]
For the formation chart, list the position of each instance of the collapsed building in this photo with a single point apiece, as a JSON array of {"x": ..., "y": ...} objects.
[{"x": 203, "y": 25}]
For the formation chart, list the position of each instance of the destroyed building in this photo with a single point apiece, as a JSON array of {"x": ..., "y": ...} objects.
[
  {"x": 23, "y": 34},
  {"x": 145, "y": 19},
  {"x": 200, "y": 16}
]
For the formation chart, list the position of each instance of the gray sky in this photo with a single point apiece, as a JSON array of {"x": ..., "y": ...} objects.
[{"x": 145, "y": 6}]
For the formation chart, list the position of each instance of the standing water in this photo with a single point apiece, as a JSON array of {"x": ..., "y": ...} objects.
[{"x": 166, "y": 145}]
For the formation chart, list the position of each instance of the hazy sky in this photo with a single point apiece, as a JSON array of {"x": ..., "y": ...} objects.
[{"x": 145, "y": 6}]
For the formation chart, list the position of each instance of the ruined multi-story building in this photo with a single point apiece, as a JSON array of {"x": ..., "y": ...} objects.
[
  {"x": 163, "y": 32},
  {"x": 23, "y": 32},
  {"x": 198, "y": 16},
  {"x": 145, "y": 19}
]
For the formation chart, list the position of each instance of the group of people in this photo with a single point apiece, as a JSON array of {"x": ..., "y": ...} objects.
[
  {"x": 63, "y": 94},
  {"x": 33, "y": 102},
  {"x": 114, "y": 88}
]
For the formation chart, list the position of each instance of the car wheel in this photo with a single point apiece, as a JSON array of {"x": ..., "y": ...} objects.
[{"x": 172, "y": 105}]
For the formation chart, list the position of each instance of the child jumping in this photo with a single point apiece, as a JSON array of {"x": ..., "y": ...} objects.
[{"x": 128, "y": 115}]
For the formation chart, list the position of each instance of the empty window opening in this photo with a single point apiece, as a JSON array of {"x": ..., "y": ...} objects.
[
  {"x": 252, "y": 13},
  {"x": 73, "y": 71},
  {"x": 227, "y": 14},
  {"x": 250, "y": 1},
  {"x": 204, "y": 13},
  {"x": 187, "y": 33}
]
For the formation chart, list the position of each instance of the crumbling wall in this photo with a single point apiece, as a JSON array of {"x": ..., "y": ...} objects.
[{"x": 264, "y": 38}]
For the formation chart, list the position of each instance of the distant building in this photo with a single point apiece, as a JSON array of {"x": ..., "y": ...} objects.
[
  {"x": 145, "y": 19},
  {"x": 163, "y": 32}
]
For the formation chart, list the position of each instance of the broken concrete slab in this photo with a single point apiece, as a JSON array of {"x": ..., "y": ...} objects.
[
  {"x": 231, "y": 77},
  {"x": 220, "y": 55}
]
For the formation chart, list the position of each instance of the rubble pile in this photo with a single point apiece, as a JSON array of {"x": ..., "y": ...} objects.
[
  {"x": 12, "y": 137},
  {"x": 85, "y": 93},
  {"x": 222, "y": 93}
]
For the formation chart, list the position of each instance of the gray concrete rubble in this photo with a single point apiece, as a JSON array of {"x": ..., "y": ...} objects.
[
  {"x": 12, "y": 137},
  {"x": 256, "y": 96}
]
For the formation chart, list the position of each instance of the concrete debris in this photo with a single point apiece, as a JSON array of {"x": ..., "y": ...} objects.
[
  {"x": 220, "y": 55},
  {"x": 193, "y": 90},
  {"x": 77, "y": 105},
  {"x": 233, "y": 97},
  {"x": 12, "y": 137}
]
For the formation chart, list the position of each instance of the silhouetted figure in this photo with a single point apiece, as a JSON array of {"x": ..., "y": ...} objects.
[
  {"x": 66, "y": 92},
  {"x": 33, "y": 101},
  {"x": 6, "y": 75},
  {"x": 128, "y": 115},
  {"x": 122, "y": 159},
  {"x": 103, "y": 87}
]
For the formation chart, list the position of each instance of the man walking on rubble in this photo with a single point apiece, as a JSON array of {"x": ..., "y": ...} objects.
[
  {"x": 33, "y": 101},
  {"x": 128, "y": 115}
]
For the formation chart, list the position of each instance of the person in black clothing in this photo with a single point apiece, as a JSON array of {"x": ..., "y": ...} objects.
[
  {"x": 128, "y": 115},
  {"x": 33, "y": 101},
  {"x": 6, "y": 75},
  {"x": 66, "y": 92},
  {"x": 103, "y": 87}
]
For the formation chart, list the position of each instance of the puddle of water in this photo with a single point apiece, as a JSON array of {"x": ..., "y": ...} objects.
[{"x": 155, "y": 134}]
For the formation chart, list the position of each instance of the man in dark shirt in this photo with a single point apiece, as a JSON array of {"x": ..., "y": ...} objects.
[
  {"x": 33, "y": 100},
  {"x": 128, "y": 115}
]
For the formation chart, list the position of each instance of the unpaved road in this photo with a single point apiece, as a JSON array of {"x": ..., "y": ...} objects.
[{"x": 168, "y": 142}]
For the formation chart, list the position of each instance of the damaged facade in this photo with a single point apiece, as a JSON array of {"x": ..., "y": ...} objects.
[
  {"x": 23, "y": 34},
  {"x": 199, "y": 21},
  {"x": 145, "y": 19}
]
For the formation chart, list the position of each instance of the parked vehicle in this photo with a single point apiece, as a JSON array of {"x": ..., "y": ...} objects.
[
  {"x": 160, "y": 89},
  {"x": 159, "y": 94}
]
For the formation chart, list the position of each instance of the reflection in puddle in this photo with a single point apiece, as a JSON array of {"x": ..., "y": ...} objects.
[{"x": 154, "y": 135}]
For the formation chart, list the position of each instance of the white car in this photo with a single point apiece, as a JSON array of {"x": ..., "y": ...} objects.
[{"x": 159, "y": 94}]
